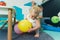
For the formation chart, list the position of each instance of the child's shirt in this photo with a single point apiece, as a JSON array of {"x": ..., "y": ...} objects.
[{"x": 33, "y": 21}]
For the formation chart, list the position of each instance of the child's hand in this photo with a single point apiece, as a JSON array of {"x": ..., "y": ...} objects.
[{"x": 30, "y": 30}]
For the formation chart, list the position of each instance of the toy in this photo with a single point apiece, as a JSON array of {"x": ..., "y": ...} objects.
[
  {"x": 59, "y": 16},
  {"x": 55, "y": 19},
  {"x": 48, "y": 26},
  {"x": 16, "y": 29},
  {"x": 24, "y": 25},
  {"x": 2, "y": 3}
]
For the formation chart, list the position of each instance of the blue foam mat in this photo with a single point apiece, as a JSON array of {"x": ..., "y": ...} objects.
[{"x": 43, "y": 36}]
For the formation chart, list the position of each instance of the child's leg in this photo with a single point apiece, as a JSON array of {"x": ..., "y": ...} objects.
[{"x": 37, "y": 34}]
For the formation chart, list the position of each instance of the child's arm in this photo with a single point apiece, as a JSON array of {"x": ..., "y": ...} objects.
[
  {"x": 40, "y": 15},
  {"x": 37, "y": 26}
]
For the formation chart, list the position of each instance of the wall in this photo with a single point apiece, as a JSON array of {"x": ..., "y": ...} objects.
[{"x": 22, "y": 7}]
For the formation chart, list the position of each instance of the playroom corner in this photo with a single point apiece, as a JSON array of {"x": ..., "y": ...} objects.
[{"x": 30, "y": 20}]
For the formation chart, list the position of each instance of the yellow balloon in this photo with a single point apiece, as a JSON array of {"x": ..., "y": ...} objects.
[{"x": 24, "y": 25}]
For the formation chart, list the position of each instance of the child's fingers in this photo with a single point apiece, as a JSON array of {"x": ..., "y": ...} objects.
[{"x": 29, "y": 31}]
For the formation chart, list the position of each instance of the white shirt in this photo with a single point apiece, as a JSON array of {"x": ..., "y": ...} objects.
[{"x": 33, "y": 21}]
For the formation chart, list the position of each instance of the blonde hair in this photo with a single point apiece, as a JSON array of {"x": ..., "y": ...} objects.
[{"x": 36, "y": 9}]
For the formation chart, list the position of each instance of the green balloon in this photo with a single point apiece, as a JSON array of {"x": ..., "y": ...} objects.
[{"x": 55, "y": 19}]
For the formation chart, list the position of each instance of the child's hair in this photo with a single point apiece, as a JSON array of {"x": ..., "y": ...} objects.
[
  {"x": 36, "y": 9},
  {"x": 40, "y": 7}
]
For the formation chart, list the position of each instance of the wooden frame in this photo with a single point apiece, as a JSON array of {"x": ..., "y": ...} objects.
[{"x": 10, "y": 12}]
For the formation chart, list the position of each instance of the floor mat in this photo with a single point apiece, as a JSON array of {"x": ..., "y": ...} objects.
[{"x": 43, "y": 36}]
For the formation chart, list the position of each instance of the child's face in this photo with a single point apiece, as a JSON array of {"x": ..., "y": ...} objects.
[{"x": 33, "y": 13}]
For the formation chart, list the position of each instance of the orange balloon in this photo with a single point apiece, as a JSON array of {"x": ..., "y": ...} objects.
[{"x": 2, "y": 3}]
